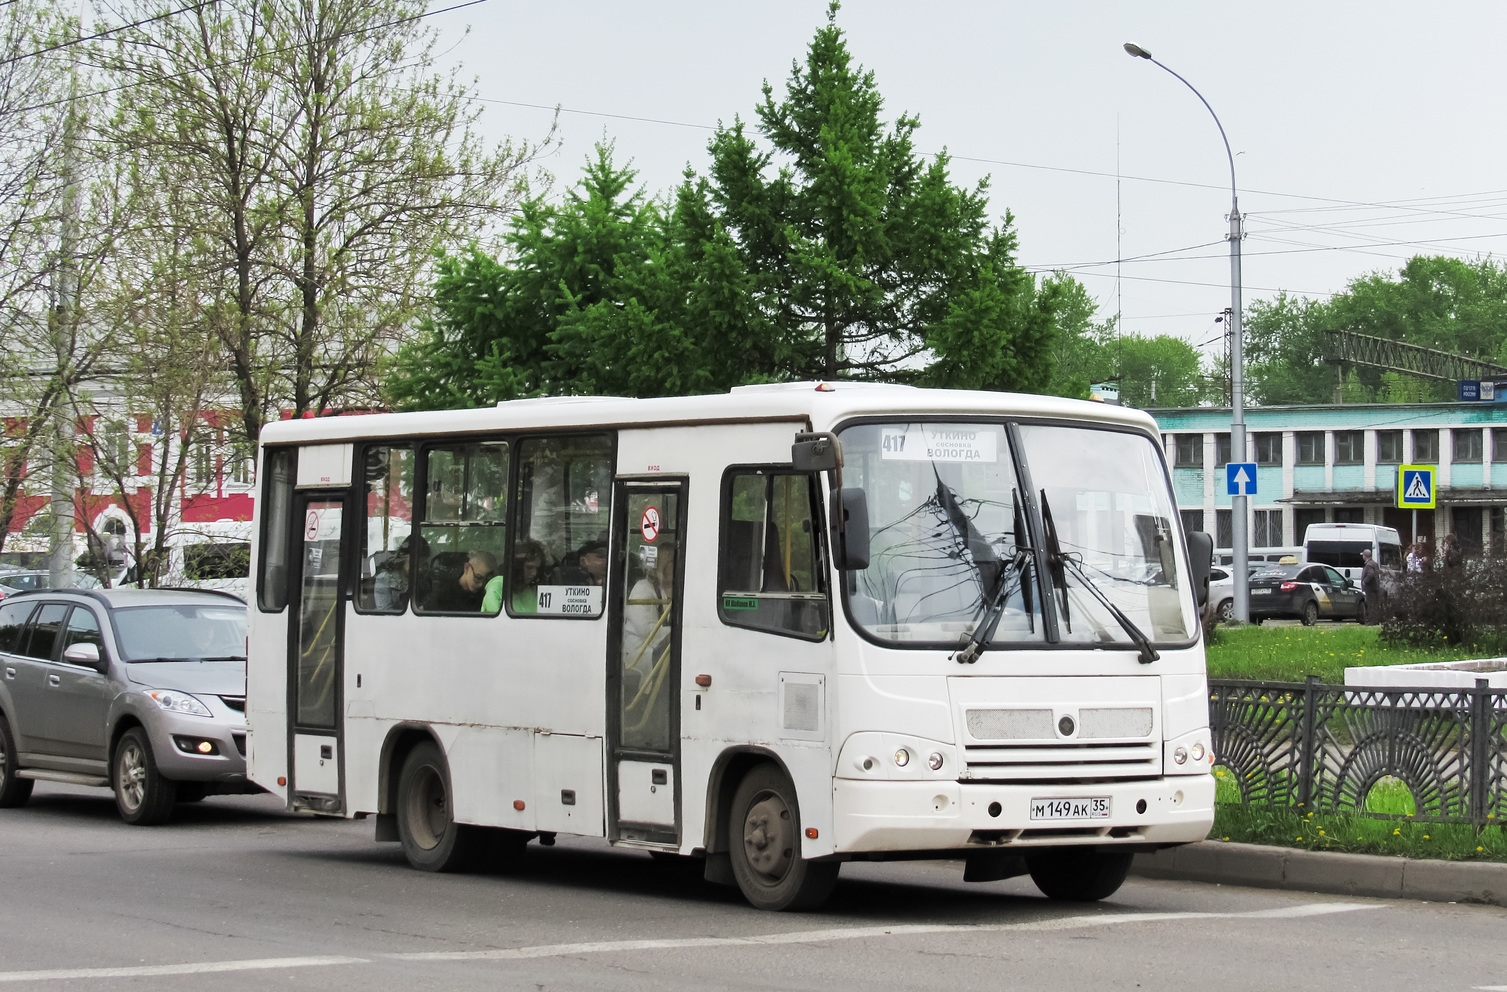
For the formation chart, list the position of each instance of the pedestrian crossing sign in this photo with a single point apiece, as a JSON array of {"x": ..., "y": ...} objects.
[{"x": 1415, "y": 487}]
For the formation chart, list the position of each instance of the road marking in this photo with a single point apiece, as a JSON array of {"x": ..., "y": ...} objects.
[
  {"x": 862, "y": 933},
  {"x": 674, "y": 943},
  {"x": 201, "y": 968}
]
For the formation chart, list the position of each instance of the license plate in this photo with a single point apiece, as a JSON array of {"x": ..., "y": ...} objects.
[
  {"x": 1089, "y": 808},
  {"x": 1261, "y": 592}
]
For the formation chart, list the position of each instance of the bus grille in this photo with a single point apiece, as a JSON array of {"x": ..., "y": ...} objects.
[{"x": 1060, "y": 762}]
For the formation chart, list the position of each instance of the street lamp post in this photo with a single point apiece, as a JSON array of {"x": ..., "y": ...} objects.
[{"x": 1239, "y": 536}]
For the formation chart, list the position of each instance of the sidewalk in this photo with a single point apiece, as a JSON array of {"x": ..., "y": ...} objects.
[{"x": 1317, "y": 871}]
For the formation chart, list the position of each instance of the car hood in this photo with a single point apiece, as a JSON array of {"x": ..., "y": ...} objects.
[{"x": 215, "y": 678}]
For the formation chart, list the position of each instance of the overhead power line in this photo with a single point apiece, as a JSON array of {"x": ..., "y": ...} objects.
[{"x": 102, "y": 34}]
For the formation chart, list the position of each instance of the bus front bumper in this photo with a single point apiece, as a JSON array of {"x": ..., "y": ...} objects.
[{"x": 943, "y": 815}]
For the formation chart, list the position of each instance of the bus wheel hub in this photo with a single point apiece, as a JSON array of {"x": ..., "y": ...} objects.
[{"x": 767, "y": 838}]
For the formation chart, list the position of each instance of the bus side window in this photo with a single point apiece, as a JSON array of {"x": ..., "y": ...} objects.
[
  {"x": 564, "y": 506},
  {"x": 769, "y": 569},
  {"x": 385, "y": 584},
  {"x": 462, "y": 536},
  {"x": 277, "y": 502}
]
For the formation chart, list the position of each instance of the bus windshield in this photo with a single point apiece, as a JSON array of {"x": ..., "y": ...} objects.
[{"x": 951, "y": 532}]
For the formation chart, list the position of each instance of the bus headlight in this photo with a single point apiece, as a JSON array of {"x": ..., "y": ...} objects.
[
  {"x": 934, "y": 761},
  {"x": 1198, "y": 752},
  {"x": 902, "y": 757},
  {"x": 1180, "y": 756}
]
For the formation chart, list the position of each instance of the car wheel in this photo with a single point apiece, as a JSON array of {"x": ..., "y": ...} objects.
[
  {"x": 1226, "y": 611},
  {"x": 1310, "y": 613},
  {"x": 432, "y": 840},
  {"x": 1079, "y": 876},
  {"x": 764, "y": 842},
  {"x": 13, "y": 791},
  {"x": 142, "y": 795}
]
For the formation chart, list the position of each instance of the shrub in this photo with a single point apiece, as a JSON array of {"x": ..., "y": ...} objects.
[{"x": 1463, "y": 602}]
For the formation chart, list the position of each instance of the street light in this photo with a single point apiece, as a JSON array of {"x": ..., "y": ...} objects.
[{"x": 1238, "y": 528}]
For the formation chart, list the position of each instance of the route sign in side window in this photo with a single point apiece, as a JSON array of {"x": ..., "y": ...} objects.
[
  {"x": 769, "y": 569},
  {"x": 559, "y": 564}
]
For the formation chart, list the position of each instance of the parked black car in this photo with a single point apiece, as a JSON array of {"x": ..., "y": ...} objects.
[
  {"x": 1309, "y": 592},
  {"x": 142, "y": 691}
]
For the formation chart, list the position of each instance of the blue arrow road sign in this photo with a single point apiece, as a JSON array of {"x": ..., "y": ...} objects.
[{"x": 1240, "y": 478}]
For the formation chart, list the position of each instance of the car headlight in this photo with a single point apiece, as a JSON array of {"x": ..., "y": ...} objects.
[{"x": 178, "y": 702}]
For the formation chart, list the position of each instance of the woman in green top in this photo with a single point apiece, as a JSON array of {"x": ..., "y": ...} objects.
[{"x": 528, "y": 562}]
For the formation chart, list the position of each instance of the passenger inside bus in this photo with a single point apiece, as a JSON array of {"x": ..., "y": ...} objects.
[
  {"x": 590, "y": 568},
  {"x": 646, "y": 615},
  {"x": 528, "y": 562},
  {"x": 463, "y": 582},
  {"x": 395, "y": 578}
]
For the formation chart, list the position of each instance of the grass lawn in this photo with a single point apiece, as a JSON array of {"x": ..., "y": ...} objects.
[
  {"x": 1288, "y": 654},
  {"x": 1289, "y": 827}
]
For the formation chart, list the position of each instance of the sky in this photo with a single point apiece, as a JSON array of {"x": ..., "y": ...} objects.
[{"x": 1363, "y": 133}]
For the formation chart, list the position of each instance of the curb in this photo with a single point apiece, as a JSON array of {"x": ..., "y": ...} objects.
[{"x": 1376, "y": 875}]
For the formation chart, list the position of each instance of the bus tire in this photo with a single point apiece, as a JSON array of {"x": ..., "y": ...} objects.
[
  {"x": 764, "y": 844},
  {"x": 143, "y": 797},
  {"x": 1079, "y": 875},
  {"x": 13, "y": 791},
  {"x": 432, "y": 840}
]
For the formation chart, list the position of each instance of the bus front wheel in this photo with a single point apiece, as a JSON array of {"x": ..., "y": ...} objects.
[
  {"x": 1078, "y": 875},
  {"x": 764, "y": 842},
  {"x": 432, "y": 840}
]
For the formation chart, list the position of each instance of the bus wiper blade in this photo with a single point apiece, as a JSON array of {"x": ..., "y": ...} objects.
[
  {"x": 1057, "y": 562},
  {"x": 995, "y": 608}
]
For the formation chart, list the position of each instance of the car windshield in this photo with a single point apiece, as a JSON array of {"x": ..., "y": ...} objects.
[
  {"x": 947, "y": 519},
  {"x": 185, "y": 632}
]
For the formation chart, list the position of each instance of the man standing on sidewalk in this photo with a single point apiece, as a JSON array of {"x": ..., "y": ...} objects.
[{"x": 1370, "y": 586}]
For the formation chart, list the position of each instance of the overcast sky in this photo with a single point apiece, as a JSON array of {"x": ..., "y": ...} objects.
[{"x": 1364, "y": 133}]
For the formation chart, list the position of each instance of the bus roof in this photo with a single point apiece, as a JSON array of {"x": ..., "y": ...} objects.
[{"x": 822, "y": 405}]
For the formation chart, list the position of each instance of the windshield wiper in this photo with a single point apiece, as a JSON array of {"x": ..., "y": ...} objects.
[
  {"x": 980, "y": 552},
  {"x": 1057, "y": 563}
]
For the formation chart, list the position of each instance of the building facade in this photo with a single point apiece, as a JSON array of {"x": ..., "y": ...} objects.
[{"x": 1339, "y": 463}]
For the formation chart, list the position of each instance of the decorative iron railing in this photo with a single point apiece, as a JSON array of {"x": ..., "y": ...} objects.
[{"x": 1324, "y": 747}]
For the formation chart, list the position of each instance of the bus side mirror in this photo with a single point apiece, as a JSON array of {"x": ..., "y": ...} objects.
[
  {"x": 1200, "y": 561},
  {"x": 816, "y": 453},
  {"x": 850, "y": 529}
]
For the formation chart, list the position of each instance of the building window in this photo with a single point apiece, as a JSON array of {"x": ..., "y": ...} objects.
[
  {"x": 1499, "y": 444},
  {"x": 1221, "y": 450},
  {"x": 1268, "y": 530},
  {"x": 1189, "y": 452},
  {"x": 1389, "y": 447},
  {"x": 242, "y": 467},
  {"x": 202, "y": 456},
  {"x": 1269, "y": 449},
  {"x": 1467, "y": 444},
  {"x": 1349, "y": 447},
  {"x": 1192, "y": 519},
  {"x": 1349, "y": 514},
  {"x": 1310, "y": 448},
  {"x": 1224, "y": 523},
  {"x": 1303, "y": 518},
  {"x": 1425, "y": 447}
]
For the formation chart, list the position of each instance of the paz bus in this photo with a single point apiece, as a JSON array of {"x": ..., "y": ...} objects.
[{"x": 777, "y": 630}]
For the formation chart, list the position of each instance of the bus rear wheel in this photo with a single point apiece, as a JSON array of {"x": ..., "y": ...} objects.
[
  {"x": 1079, "y": 876},
  {"x": 432, "y": 840},
  {"x": 764, "y": 844}
]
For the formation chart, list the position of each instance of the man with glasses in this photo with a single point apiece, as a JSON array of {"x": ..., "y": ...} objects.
[{"x": 472, "y": 588}]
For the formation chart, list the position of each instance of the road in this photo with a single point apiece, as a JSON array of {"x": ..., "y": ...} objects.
[{"x": 236, "y": 894}]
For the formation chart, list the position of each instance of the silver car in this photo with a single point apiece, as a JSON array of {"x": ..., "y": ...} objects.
[{"x": 142, "y": 691}]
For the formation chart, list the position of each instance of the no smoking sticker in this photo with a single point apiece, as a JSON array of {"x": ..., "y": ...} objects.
[
  {"x": 311, "y": 526},
  {"x": 649, "y": 526}
]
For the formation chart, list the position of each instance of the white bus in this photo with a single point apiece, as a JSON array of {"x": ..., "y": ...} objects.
[{"x": 778, "y": 629}]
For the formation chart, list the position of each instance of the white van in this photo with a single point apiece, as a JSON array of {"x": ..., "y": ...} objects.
[{"x": 1340, "y": 545}]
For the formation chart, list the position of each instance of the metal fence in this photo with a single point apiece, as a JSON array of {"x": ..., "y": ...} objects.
[{"x": 1324, "y": 747}]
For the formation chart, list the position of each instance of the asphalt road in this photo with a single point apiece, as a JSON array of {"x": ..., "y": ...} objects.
[{"x": 236, "y": 894}]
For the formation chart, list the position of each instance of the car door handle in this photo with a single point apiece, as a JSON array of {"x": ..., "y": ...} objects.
[
  {"x": 54, "y": 680},
  {"x": 10, "y": 673}
]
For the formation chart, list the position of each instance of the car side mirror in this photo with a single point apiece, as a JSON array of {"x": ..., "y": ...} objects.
[
  {"x": 83, "y": 654},
  {"x": 816, "y": 453},
  {"x": 1200, "y": 563}
]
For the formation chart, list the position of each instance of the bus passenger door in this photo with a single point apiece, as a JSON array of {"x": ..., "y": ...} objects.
[
  {"x": 316, "y": 653},
  {"x": 643, "y": 666}
]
